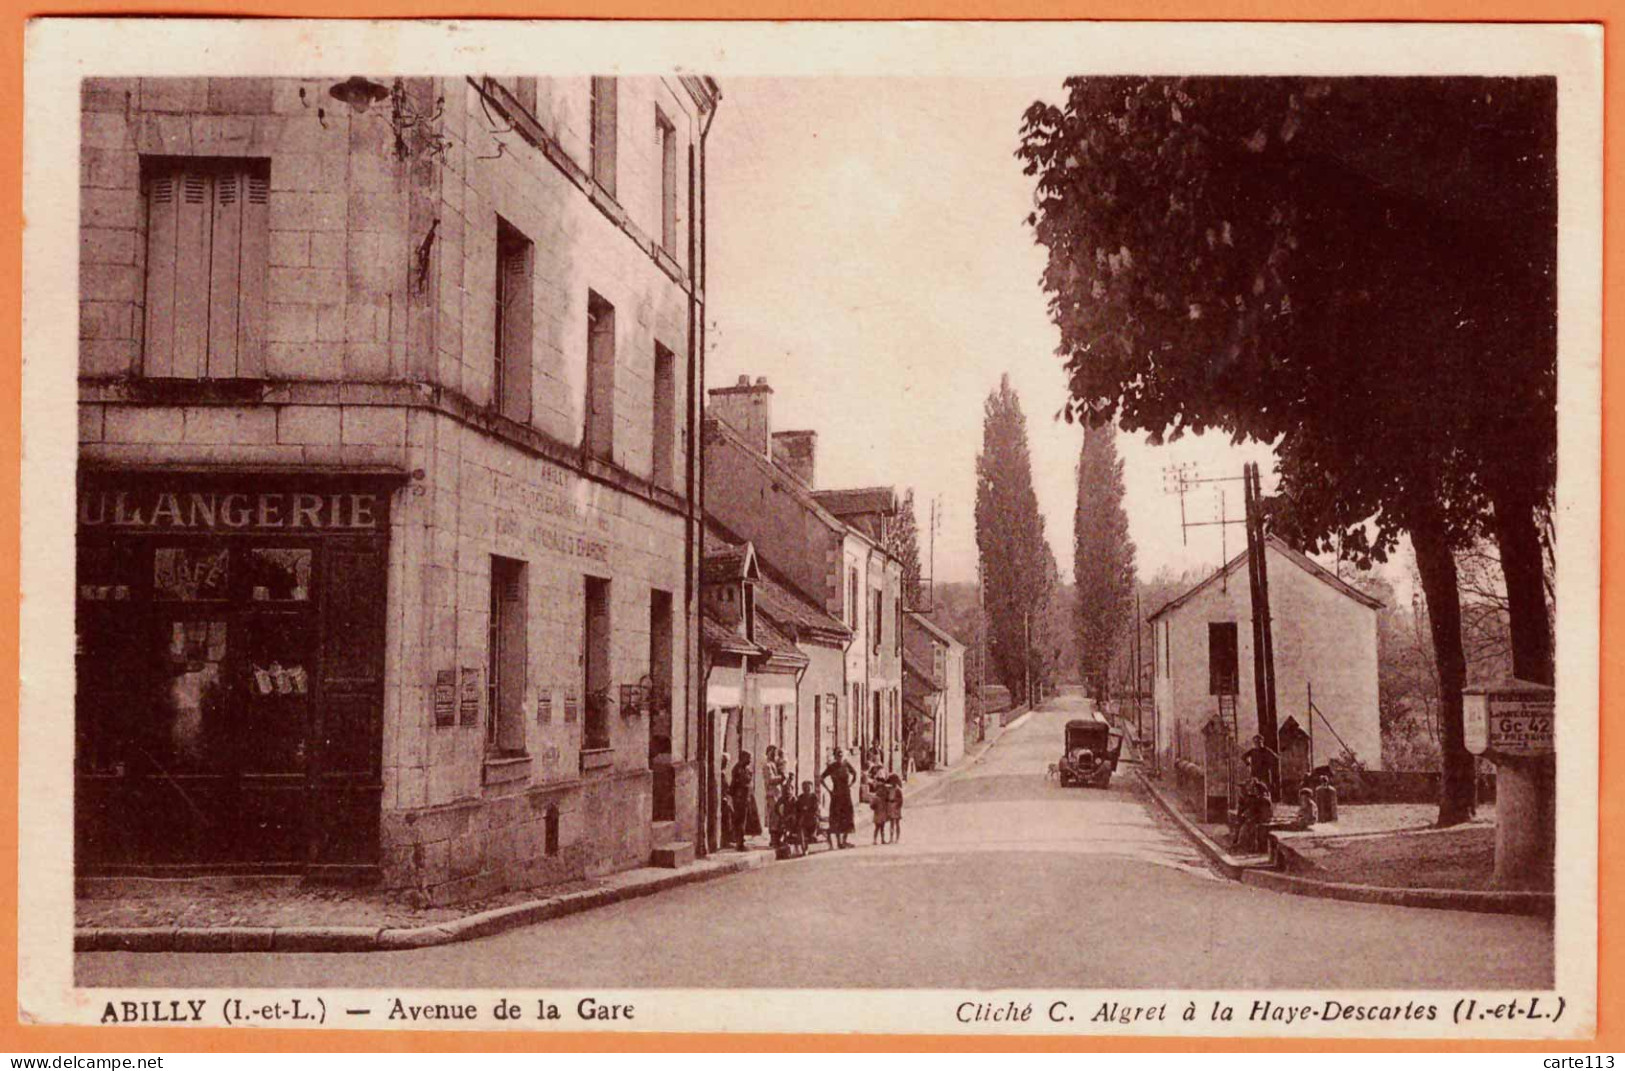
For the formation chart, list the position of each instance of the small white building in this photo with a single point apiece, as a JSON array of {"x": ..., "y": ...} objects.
[
  {"x": 934, "y": 688},
  {"x": 1324, "y": 634}
]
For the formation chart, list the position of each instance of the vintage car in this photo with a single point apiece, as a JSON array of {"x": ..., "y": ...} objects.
[{"x": 1090, "y": 756}]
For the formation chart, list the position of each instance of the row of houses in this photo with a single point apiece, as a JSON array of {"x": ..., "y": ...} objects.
[
  {"x": 407, "y": 549},
  {"x": 808, "y": 578}
]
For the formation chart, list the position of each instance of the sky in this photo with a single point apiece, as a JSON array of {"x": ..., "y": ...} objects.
[{"x": 868, "y": 254}]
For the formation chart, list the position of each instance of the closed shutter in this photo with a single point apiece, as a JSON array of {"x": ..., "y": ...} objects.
[
  {"x": 514, "y": 401},
  {"x": 207, "y": 255},
  {"x": 603, "y": 132}
]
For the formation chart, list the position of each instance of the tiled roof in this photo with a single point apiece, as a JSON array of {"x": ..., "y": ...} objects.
[
  {"x": 790, "y": 609},
  {"x": 927, "y": 674},
  {"x": 722, "y": 563},
  {"x": 852, "y": 500},
  {"x": 1298, "y": 558},
  {"x": 720, "y": 637},
  {"x": 719, "y": 430},
  {"x": 937, "y": 631}
]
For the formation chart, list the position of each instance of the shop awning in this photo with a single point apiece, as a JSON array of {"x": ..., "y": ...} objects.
[
  {"x": 725, "y": 686},
  {"x": 772, "y": 691}
]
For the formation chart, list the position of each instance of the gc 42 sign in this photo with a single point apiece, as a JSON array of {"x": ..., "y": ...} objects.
[{"x": 1513, "y": 722}]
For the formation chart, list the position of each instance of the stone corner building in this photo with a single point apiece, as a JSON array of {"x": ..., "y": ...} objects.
[{"x": 388, "y": 518}]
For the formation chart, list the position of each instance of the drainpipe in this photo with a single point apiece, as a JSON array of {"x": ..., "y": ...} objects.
[{"x": 706, "y": 817}]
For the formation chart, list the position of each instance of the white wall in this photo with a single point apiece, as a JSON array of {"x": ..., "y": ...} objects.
[{"x": 1321, "y": 637}]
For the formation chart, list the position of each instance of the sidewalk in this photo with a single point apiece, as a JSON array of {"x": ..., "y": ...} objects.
[
  {"x": 262, "y": 915},
  {"x": 1378, "y": 855},
  {"x": 925, "y": 784}
]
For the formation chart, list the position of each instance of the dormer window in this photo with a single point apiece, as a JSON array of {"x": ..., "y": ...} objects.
[{"x": 750, "y": 614}]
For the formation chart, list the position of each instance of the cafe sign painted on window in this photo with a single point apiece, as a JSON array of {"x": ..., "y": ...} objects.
[{"x": 164, "y": 509}]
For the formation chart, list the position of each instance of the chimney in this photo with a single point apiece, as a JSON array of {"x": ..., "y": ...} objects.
[
  {"x": 748, "y": 410},
  {"x": 798, "y": 452}
]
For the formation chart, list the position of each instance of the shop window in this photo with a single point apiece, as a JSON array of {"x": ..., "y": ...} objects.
[
  {"x": 666, "y": 138},
  {"x": 279, "y": 574},
  {"x": 505, "y": 668},
  {"x": 665, "y": 416},
  {"x": 599, "y": 432},
  {"x": 595, "y": 647},
  {"x": 604, "y": 94},
  {"x": 511, "y": 361},
  {"x": 191, "y": 573},
  {"x": 207, "y": 261},
  {"x": 550, "y": 829}
]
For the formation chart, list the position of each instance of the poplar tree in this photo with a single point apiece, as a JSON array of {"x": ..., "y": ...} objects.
[
  {"x": 1016, "y": 562},
  {"x": 1102, "y": 558}
]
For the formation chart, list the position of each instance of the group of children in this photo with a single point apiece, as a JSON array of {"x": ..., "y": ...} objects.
[
  {"x": 795, "y": 818},
  {"x": 1255, "y": 817},
  {"x": 795, "y": 824},
  {"x": 886, "y": 801}
]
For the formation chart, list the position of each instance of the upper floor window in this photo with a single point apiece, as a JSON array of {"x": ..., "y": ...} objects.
[
  {"x": 876, "y": 621},
  {"x": 665, "y": 416},
  {"x": 603, "y": 133},
  {"x": 598, "y": 436},
  {"x": 1223, "y": 670},
  {"x": 853, "y": 609},
  {"x": 511, "y": 361},
  {"x": 666, "y": 137},
  {"x": 207, "y": 258}
]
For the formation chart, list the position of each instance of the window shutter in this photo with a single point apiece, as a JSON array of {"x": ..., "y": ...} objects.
[
  {"x": 207, "y": 257},
  {"x": 252, "y": 271},
  {"x": 516, "y": 332},
  {"x": 193, "y": 216},
  {"x": 162, "y": 194},
  {"x": 604, "y": 128},
  {"x": 225, "y": 256}
]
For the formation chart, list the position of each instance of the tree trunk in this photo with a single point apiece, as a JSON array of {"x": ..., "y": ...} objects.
[
  {"x": 1436, "y": 566},
  {"x": 1523, "y": 565}
]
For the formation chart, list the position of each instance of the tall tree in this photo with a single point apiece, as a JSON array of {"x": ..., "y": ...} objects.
[
  {"x": 1359, "y": 271},
  {"x": 903, "y": 543},
  {"x": 1016, "y": 562},
  {"x": 1102, "y": 558}
]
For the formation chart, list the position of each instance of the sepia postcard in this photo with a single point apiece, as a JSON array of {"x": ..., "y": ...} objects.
[{"x": 509, "y": 507}]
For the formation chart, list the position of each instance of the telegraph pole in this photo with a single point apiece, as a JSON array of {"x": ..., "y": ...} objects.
[{"x": 1263, "y": 638}]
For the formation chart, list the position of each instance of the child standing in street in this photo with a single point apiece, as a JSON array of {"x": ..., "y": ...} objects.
[
  {"x": 807, "y": 815},
  {"x": 894, "y": 810},
  {"x": 880, "y": 804}
]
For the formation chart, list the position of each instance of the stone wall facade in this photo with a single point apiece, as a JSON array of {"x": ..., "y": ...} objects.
[{"x": 379, "y": 353}]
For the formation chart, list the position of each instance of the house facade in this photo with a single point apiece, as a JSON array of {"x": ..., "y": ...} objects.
[
  {"x": 756, "y": 483},
  {"x": 1324, "y": 635},
  {"x": 934, "y": 687},
  {"x": 388, "y": 538}
]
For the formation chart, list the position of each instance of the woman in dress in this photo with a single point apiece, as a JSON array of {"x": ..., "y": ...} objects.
[
  {"x": 747, "y": 818},
  {"x": 838, "y": 777}
]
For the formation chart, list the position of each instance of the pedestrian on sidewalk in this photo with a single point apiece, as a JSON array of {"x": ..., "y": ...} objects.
[
  {"x": 807, "y": 816},
  {"x": 726, "y": 810},
  {"x": 894, "y": 811},
  {"x": 1261, "y": 761},
  {"x": 838, "y": 777},
  {"x": 880, "y": 807},
  {"x": 786, "y": 826},
  {"x": 747, "y": 819}
]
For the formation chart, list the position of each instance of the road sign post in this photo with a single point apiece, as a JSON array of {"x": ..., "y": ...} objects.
[{"x": 1511, "y": 723}]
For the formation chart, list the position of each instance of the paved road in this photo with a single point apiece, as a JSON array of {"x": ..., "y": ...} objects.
[{"x": 1002, "y": 879}]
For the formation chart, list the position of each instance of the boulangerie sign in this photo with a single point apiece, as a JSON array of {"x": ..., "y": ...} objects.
[{"x": 437, "y": 367}]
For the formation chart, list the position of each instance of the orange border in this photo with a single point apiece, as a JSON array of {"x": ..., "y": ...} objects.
[{"x": 1611, "y": 806}]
